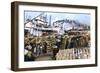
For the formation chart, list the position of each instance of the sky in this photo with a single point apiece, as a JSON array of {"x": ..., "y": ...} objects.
[{"x": 81, "y": 17}]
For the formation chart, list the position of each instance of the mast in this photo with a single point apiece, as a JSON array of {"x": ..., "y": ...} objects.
[{"x": 50, "y": 20}]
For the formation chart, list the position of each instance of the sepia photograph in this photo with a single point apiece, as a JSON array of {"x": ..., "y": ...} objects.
[{"x": 56, "y": 36}]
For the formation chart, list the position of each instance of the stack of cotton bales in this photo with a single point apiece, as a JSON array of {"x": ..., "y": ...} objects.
[{"x": 74, "y": 53}]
